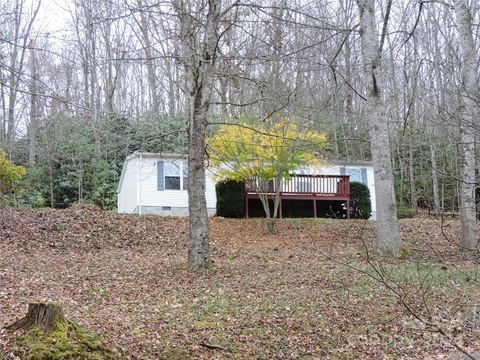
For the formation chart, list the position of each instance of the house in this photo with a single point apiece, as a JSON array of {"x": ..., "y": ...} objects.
[{"x": 157, "y": 184}]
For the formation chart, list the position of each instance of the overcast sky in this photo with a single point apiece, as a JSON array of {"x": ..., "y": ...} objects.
[{"x": 53, "y": 17}]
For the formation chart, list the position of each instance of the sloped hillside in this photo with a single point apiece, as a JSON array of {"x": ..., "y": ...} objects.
[{"x": 305, "y": 291}]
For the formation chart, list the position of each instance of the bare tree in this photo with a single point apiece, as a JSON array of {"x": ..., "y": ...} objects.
[
  {"x": 470, "y": 93},
  {"x": 199, "y": 37},
  {"x": 34, "y": 106},
  {"x": 388, "y": 232},
  {"x": 21, "y": 34},
  {"x": 149, "y": 61}
]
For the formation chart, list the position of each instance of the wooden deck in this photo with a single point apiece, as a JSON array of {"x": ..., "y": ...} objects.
[{"x": 303, "y": 187}]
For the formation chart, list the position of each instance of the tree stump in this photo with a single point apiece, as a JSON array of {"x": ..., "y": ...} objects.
[{"x": 45, "y": 316}]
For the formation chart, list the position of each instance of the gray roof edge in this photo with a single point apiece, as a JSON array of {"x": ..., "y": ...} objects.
[
  {"x": 184, "y": 156},
  {"x": 351, "y": 162},
  {"x": 158, "y": 155}
]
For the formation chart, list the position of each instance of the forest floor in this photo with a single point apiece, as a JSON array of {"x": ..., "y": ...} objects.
[{"x": 307, "y": 291}]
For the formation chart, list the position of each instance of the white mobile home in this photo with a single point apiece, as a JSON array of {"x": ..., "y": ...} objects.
[{"x": 157, "y": 183}]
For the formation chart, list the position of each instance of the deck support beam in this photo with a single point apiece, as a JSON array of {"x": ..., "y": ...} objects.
[{"x": 315, "y": 208}]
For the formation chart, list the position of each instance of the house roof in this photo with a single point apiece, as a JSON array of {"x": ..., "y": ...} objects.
[
  {"x": 157, "y": 155},
  {"x": 352, "y": 162}
]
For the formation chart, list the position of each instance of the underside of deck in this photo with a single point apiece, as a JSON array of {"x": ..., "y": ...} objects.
[
  {"x": 300, "y": 190},
  {"x": 311, "y": 204}
]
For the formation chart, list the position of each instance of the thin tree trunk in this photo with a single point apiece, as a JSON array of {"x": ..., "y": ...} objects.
[
  {"x": 411, "y": 167},
  {"x": 16, "y": 68},
  {"x": 34, "y": 108},
  {"x": 110, "y": 79},
  {"x": 3, "y": 125},
  {"x": 412, "y": 114},
  {"x": 411, "y": 170},
  {"x": 436, "y": 196},
  {"x": 149, "y": 62}
]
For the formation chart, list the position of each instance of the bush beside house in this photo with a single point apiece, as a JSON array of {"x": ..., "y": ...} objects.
[
  {"x": 230, "y": 198},
  {"x": 360, "y": 204}
]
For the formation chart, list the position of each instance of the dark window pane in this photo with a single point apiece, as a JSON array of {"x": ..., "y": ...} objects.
[{"x": 172, "y": 183}]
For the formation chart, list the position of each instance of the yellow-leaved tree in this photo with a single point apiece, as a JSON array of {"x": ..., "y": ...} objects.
[
  {"x": 10, "y": 178},
  {"x": 264, "y": 156}
]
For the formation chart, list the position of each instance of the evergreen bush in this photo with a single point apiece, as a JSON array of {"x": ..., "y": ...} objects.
[
  {"x": 230, "y": 198},
  {"x": 404, "y": 212},
  {"x": 360, "y": 204}
]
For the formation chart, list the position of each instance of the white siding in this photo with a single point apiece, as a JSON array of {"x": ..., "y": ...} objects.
[
  {"x": 150, "y": 196},
  {"x": 143, "y": 171},
  {"x": 330, "y": 169},
  {"x": 371, "y": 187},
  {"x": 127, "y": 195},
  {"x": 333, "y": 169}
]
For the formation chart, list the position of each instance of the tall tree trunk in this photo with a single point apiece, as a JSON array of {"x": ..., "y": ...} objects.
[
  {"x": 3, "y": 125},
  {"x": 172, "y": 107},
  {"x": 149, "y": 62},
  {"x": 199, "y": 61},
  {"x": 16, "y": 65},
  {"x": 411, "y": 167},
  {"x": 13, "y": 78},
  {"x": 34, "y": 107},
  {"x": 436, "y": 195},
  {"x": 110, "y": 78},
  {"x": 198, "y": 247},
  {"x": 388, "y": 232},
  {"x": 412, "y": 114},
  {"x": 468, "y": 215}
]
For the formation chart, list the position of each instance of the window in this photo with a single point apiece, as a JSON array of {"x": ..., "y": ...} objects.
[
  {"x": 172, "y": 175},
  {"x": 185, "y": 176},
  {"x": 355, "y": 174}
]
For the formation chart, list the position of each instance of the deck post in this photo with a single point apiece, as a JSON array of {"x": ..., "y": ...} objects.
[
  {"x": 280, "y": 206},
  {"x": 246, "y": 206},
  {"x": 315, "y": 208},
  {"x": 348, "y": 209}
]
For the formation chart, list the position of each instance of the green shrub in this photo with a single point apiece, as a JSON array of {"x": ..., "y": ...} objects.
[
  {"x": 360, "y": 204},
  {"x": 230, "y": 198},
  {"x": 404, "y": 212}
]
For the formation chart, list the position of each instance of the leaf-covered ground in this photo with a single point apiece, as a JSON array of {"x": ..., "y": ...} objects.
[{"x": 304, "y": 292}]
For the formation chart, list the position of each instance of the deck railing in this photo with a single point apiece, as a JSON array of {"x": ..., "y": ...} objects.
[{"x": 318, "y": 185}]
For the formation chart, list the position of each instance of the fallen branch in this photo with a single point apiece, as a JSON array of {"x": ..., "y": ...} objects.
[{"x": 212, "y": 346}]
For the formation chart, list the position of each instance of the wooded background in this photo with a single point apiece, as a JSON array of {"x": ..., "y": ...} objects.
[{"x": 74, "y": 102}]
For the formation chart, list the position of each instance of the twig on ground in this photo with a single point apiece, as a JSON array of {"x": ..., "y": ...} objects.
[{"x": 212, "y": 346}]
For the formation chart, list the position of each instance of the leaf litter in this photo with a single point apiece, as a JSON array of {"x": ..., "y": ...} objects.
[{"x": 292, "y": 294}]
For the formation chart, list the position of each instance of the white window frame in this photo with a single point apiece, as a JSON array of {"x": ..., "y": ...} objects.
[{"x": 181, "y": 175}]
